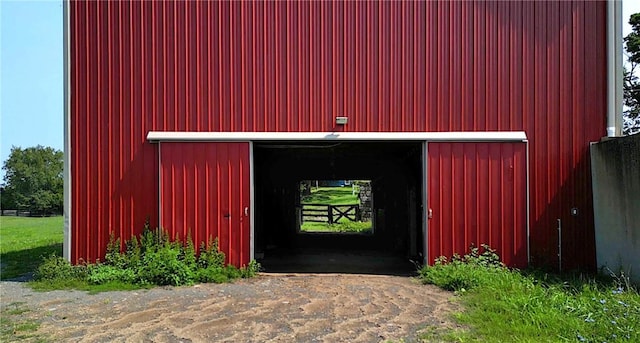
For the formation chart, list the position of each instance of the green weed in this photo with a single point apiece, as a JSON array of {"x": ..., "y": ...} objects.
[
  {"x": 99, "y": 274},
  {"x": 151, "y": 259},
  {"x": 210, "y": 255},
  {"x": 463, "y": 273},
  {"x": 54, "y": 267}
]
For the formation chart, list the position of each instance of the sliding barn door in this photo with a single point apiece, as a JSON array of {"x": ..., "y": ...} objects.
[
  {"x": 477, "y": 194},
  {"x": 205, "y": 193}
]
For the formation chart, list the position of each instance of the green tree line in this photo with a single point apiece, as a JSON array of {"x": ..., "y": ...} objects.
[
  {"x": 631, "y": 88},
  {"x": 33, "y": 180}
]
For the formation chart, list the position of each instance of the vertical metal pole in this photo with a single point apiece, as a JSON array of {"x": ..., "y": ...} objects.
[
  {"x": 614, "y": 67},
  {"x": 559, "y": 245},
  {"x": 159, "y": 185},
  {"x": 528, "y": 207},
  {"x": 252, "y": 206},
  {"x": 425, "y": 205},
  {"x": 67, "y": 210}
]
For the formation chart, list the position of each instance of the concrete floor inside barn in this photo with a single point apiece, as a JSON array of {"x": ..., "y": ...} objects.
[{"x": 337, "y": 261}]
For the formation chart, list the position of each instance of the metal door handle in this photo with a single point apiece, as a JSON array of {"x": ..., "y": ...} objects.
[
  {"x": 430, "y": 214},
  {"x": 246, "y": 211}
]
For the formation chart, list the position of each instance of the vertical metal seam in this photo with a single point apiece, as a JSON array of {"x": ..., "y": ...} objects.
[
  {"x": 243, "y": 70},
  {"x": 99, "y": 170},
  {"x": 109, "y": 111},
  {"x": 120, "y": 115},
  {"x": 425, "y": 202},
  {"x": 159, "y": 185},
  {"x": 528, "y": 223},
  {"x": 230, "y": 204},
  {"x": 232, "y": 71},
  {"x": 251, "y": 204},
  {"x": 501, "y": 189}
]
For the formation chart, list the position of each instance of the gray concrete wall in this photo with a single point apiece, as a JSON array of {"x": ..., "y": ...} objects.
[{"x": 615, "y": 167}]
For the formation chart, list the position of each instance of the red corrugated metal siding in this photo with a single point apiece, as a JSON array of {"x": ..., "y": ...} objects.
[
  {"x": 477, "y": 194},
  {"x": 204, "y": 192},
  {"x": 293, "y": 66}
]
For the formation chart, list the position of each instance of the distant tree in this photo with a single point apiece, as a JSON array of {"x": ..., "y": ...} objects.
[
  {"x": 5, "y": 203},
  {"x": 33, "y": 180},
  {"x": 631, "y": 89}
]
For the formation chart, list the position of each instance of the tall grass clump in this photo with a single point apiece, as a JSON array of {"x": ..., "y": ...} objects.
[
  {"x": 508, "y": 305},
  {"x": 150, "y": 259}
]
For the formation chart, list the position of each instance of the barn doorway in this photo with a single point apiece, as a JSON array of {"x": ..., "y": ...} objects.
[
  {"x": 390, "y": 171},
  {"x": 251, "y": 183}
]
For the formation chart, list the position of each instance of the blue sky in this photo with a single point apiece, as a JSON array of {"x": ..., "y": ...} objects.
[{"x": 31, "y": 77}]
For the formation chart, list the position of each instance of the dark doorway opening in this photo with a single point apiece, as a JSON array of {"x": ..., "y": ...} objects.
[{"x": 394, "y": 170}]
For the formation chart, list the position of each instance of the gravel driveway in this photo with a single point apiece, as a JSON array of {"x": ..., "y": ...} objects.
[{"x": 268, "y": 308}]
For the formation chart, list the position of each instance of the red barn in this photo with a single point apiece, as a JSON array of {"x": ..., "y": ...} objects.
[{"x": 472, "y": 119}]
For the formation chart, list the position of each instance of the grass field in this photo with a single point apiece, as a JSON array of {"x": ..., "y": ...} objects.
[
  {"x": 331, "y": 196},
  {"x": 24, "y": 241},
  {"x": 342, "y": 227},
  {"x": 502, "y": 305},
  {"x": 334, "y": 196}
]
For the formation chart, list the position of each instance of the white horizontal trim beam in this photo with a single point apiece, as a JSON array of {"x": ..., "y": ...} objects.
[{"x": 463, "y": 136}]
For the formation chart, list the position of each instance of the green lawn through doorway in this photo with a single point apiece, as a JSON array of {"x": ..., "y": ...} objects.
[{"x": 346, "y": 195}]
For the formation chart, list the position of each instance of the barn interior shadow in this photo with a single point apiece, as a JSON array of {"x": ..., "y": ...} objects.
[
  {"x": 320, "y": 261},
  {"x": 395, "y": 171}
]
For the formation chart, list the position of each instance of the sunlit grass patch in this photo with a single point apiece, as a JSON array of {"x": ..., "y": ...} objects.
[
  {"x": 331, "y": 196},
  {"x": 504, "y": 305},
  {"x": 344, "y": 226},
  {"x": 24, "y": 241}
]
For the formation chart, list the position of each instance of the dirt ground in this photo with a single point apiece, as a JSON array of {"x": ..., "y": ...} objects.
[{"x": 268, "y": 308}]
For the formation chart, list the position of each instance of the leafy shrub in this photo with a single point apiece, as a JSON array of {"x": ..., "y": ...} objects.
[
  {"x": 210, "y": 255},
  {"x": 57, "y": 268},
  {"x": 113, "y": 255},
  {"x": 100, "y": 274},
  {"x": 152, "y": 259},
  {"x": 232, "y": 272},
  {"x": 189, "y": 254},
  {"x": 463, "y": 273},
  {"x": 220, "y": 274},
  {"x": 251, "y": 270},
  {"x": 211, "y": 274},
  {"x": 164, "y": 265},
  {"x": 133, "y": 254}
]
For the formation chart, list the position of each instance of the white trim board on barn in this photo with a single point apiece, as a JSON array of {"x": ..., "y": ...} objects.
[{"x": 462, "y": 136}]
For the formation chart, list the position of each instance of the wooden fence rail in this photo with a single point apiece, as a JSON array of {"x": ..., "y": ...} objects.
[
  {"x": 325, "y": 213},
  {"x": 21, "y": 213}
]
